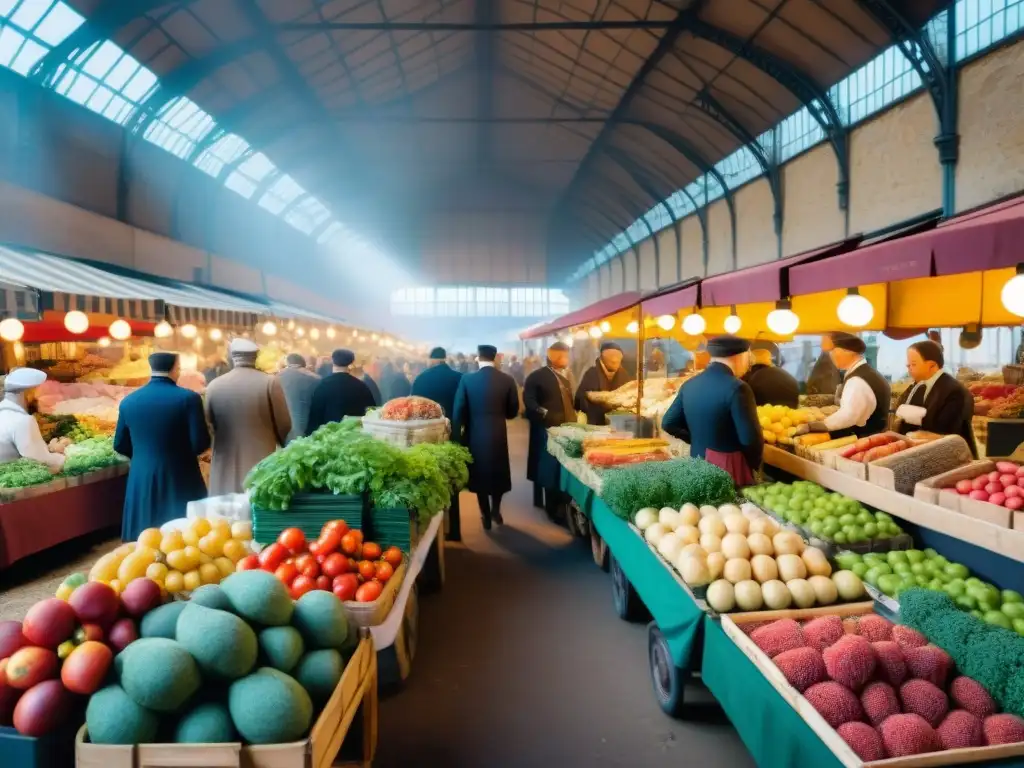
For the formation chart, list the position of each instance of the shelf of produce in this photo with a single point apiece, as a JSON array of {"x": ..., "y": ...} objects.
[{"x": 1003, "y": 541}]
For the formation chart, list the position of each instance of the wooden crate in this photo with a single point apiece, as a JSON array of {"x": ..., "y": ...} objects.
[
  {"x": 882, "y": 475},
  {"x": 732, "y": 626},
  {"x": 357, "y": 688},
  {"x": 979, "y": 510},
  {"x": 929, "y": 490},
  {"x": 372, "y": 614}
]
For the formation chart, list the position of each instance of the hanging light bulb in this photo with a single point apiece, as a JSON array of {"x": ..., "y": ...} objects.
[
  {"x": 581, "y": 334},
  {"x": 216, "y": 334},
  {"x": 733, "y": 322},
  {"x": 314, "y": 333},
  {"x": 188, "y": 331},
  {"x": 667, "y": 322},
  {"x": 11, "y": 329},
  {"x": 104, "y": 341},
  {"x": 596, "y": 332},
  {"x": 300, "y": 331},
  {"x": 633, "y": 327},
  {"x": 162, "y": 330},
  {"x": 374, "y": 337},
  {"x": 855, "y": 310},
  {"x": 120, "y": 330},
  {"x": 1012, "y": 294},
  {"x": 694, "y": 324},
  {"x": 782, "y": 321},
  {"x": 76, "y": 322},
  {"x": 291, "y": 325},
  {"x": 331, "y": 333},
  {"x": 269, "y": 328},
  {"x": 605, "y": 326}
]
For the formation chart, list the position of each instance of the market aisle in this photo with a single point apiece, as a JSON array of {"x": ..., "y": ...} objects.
[{"x": 521, "y": 662}]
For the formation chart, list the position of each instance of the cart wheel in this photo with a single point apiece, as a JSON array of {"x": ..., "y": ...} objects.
[
  {"x": 576, "y": 521},
  {"x": 666, "y": 677},
  {"x": 628, "y": 605},
  {"x": 599, "y": 549}
]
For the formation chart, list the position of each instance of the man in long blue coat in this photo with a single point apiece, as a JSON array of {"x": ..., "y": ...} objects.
[
  {"x": 162, "y": 429},
  {"x": 439, "y": 383}
]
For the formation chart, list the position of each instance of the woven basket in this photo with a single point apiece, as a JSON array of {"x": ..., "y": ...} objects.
[
  {"x": 408, "y": 433},
  {"x": 1013, "y": 374},
  {"x": 372, "y": 614}
]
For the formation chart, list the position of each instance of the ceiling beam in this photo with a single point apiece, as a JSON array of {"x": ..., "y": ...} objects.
[
  {"x": 566, "y": 25},
  {"x": 485, "y": 15}
]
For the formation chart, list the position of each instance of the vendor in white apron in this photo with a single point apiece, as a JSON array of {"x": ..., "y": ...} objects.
[{"x": 19, "y": 433}]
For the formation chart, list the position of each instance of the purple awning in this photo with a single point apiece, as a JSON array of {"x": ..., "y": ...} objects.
[
  {"x": 765, "y": 282},
  {"x": 588, "y": 314},
  {"x": 670, "y": 302}
]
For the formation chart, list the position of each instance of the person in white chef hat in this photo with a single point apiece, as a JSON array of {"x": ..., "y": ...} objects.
[{"x": 19, "y": 431}]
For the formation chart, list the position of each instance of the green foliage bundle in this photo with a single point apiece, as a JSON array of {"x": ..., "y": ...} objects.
[
  {"x": 89, "y": 455},
  {"x": 665, "y": 484},
  {"x": 22, "y": 473}
]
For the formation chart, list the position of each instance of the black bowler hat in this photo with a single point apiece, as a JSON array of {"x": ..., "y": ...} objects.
[
  {"x": 849, "y": 342},
  {"x": 727, "y": 346},
  {"x": 438, "y": 353}
]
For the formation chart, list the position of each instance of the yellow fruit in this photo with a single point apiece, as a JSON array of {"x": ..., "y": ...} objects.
[
  {"x": 105, "y": 569},
  {"x": 115, "y": 585},
  {"x": 134, "y": 566},
  {"x": 242, "y": 530},
  {"x": 157, "y": 572},
  {"x": 222, "y": 527},
  {"x": 201, "y": 526},
  {"x": 225, "y": 566},
  {"x": 126, "y": 549},
  {"x": 769, "y": 437},
  {"x": 194, "y": 556},
  {"x": 64, "y": 592},
  {"x": 151, "y": 537},
  {"x": 193, "y": 580},
  {"x": 209, "y": 573},
  {"x": 174, "y": 582},
  {"x": 191, "y": 538},
  {"x": 204, "y": 558},
  {"x": 234, "y": 550},
  {"x": 180, "y": 561},
  {"x": 172, "y": 542},
  {"x": 212, "y": 544}
]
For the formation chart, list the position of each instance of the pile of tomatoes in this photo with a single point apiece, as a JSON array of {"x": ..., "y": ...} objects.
[{"x": 339, "y": 562}]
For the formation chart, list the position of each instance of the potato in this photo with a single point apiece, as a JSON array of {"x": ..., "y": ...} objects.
[
  {"x": 787, "y": 543},
  {"x": 764, "y": 568},
  {"x": 760, "y": 544},
  {"x": 736, "y": 570},
  {"x": 790, "y": 567},
  {"x": 734, "y": 545},
  {"x": 816, "y": 562}
]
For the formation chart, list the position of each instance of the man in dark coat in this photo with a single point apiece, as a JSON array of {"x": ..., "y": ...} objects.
[
  {"x": 162, "y": 429},
  {"x": 771, "y": 385},
  {"x": 603, "y": 376},
  {"x": 298, "y": 383},
  {"x": 937, "y": 402},
  {"x": 439, "y": 382},
  {"x": 825, "y": 377},
  {"x": 367, "y": 379},
  {"x": 547, "y": 399},
  {"x": 715, "y": 412},
  {"x": 339, "y": 395},
  {"x": 484, "y": 402},
  {"x": 393, "y": 381}
]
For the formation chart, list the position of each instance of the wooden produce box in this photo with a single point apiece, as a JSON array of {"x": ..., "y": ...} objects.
[
  {"x": 372, "y": 614},
  {"x": 357, "y": 688},
  {"x": 940, "y": 455},
  {"x": 857, "y": 469},
  {"x": 930, "y": 491},
  {"x": 732, "y": 626}
]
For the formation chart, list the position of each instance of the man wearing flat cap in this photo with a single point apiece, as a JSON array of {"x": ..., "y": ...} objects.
[
  {"x": 715, "y": 412},
  {"x": 771, "y": 385},
  {"x": 484, "y": 402},
  {"x": 864, "y": 396},
  {"x": 162, "y": 429},
  {"x": 605, "y": 375},
  {"x": 339, "y": 395},
  {"x": 20, "y": 437},
  {"x": 548, "y": 401},
  {"x": 298, "y": 383},
  {"x": 249, "y": 415}
]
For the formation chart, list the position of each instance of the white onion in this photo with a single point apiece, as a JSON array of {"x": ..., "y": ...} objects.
[
  {"x": 653, "y": 533},
  {"x": 646, "y": 517},
  {"x": 728, "y": 509},
  {"x": 689, "y": 515},
  {"x": 802, "y": 592},
  {"x": 776, "y": 595},
  {"x": 848, "y": 584},
  {"x": 721, "y": 596},
  {"x": 748, "y": 596},
  {"x": 695, "y": 571},
  {"x": 668, "y": 516},
  {"x": 669, "y": 547}
]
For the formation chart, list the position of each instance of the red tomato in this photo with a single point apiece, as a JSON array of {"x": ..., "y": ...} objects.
[
  {"x": 272, "y": 556},
  {"x": 339, "y": 526},
  {"x": 321, "y": 559},
  {"x": 384, "y": 571},
  {"x": 358, "y": 534},
  {"x": 350, "y": 543},
  {"x": 353, "y": 566},
  {"x": 301, "y": 586},
  {"x": 369, "y": 591},
  {"x": 324, "y": 583},
  {"x": 248, "y": 563},
  {"x": 367, "y": 570},
  {"x": 371, "y": 551},
  {"x": 335, "y": 565},
  {"x": 393, "y": 555},
  {"x": 292, "y": 539},
  {"x": 345, "y": 586},
  {"x": 286, "y": 573},
  {"x": 314, "y": 548},
  {"x": 307, "y": 566}
]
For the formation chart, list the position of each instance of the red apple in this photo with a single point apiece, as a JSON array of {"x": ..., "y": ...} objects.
[
  {"x": 31, "y": 665},
  {"x": 49, "y": 623},
  {"x": 964, "y": 486},
  {"x": 997, "y": 499},
  {"x": 1008, "y": 480},
  {"x": 42, "y": 708},
  {"x": 95, "y": 603},
  {"x": 122, "y": 634},
  {"x": 1014, "y": 503},
  {"x": 979, "y": 483},
  {"x": 993, "y": 488},
  {"x": 140, "y": 597},
  {"x": 11, "y": 638}
]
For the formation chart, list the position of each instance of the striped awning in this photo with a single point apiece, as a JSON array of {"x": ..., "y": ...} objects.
[
  {"x": 18, "y": 301},
  {"x": 205, "y": 306},
  {"x": 280, "y": 309}
]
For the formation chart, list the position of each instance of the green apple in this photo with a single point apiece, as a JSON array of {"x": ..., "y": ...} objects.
[
  {"x": 966, "y": 602},
  {"x": 917, "y": 569},
  {"x": 997, "y": 619},
  {"x": 839, "y": 537},
  {"x": 936, "y": 585},
  {"x": 957, "y": 571},
  {"x": 915, "y": 556},
  {"x": 901, "y": 567},
  {"x": 896, "y": 556},
  {"x": 1013, "y": 610},
  {"x": 1018, "y": 626},
  {"x": 921, "y": 580},
  {"x": 871, "y": 530},
  {"x": 955, "y": 589},
  {"x": 860, "y": 569},
  {"x": 847, "y": 559},
  {"x": 889, "y": 584},
  {"x": 1009, "y": 596}
]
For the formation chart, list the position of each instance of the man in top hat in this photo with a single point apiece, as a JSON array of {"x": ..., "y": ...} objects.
[
  {"x": 605, "y": 375},
  {"x": 937, "y": 402},
  {"x": 864, "y": 396},
  {"x": 249, "y": 415},
  {"x": 484, "y": 402},
  {"x": 548, "y": 401},
  {"x": 20, "y": 437},
  {"x": 771, "y": 385},
  {"x": 298, "y": 383},
  {"x": 162, "y": 429},
  {"x": 339, "y": 395},
  {"x": 716, "y": 414}
]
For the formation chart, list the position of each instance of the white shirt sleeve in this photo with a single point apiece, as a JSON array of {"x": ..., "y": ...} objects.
[
  {"x": 855, "y": 406},
  {"x": 29, "y": 442},
  {"x": 911, "y": 414}
]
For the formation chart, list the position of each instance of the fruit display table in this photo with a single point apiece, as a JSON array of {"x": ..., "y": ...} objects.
[{"x": 35, "y": 519}]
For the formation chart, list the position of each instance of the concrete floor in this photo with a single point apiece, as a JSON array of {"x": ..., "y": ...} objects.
[{"x": 521, "y": 662}]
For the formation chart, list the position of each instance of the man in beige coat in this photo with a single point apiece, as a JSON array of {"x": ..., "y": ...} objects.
[{"x": 249, "y": 418}]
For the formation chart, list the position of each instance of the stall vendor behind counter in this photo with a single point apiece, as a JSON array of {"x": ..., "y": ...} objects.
[
  {"x": 937, "y": 402},
  {"x": 20, "y": 437}
]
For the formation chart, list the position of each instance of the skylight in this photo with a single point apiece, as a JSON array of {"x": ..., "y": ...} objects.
[
  {"x": 281, "y": 193},
  {"x": 250, "y": 172},
  {"x": 31, "y": 28},
  {"x": 224, "y": 151},
  {"x": 106, "y": 80},
  {"x": 180, "y": 126}
]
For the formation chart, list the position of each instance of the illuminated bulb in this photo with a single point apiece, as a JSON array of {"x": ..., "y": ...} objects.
[
  {"x": 120, "y": 330},
  {"x": 291, "y": 325},
  {"x": 605, "y": 326},
  {"x": 581, "y": 334},
  {"x": 76, "y": 322},
  {"x": 216, "y": 334},
  {"x": 855, "y": 310},
  {"x": 11, "y": 329},
  {"x": 596, "y": 332},
  {"x": 1013, "y": 293},
  {"x": 374, "y": 337},
  {"x": 782, "y": 321},
  {"x": 104, "y": 341},
  {"x": 733, "y": 322},
  {"x": 188, "y": 331},
  {"x": 331, "y": 333},
  {"x": 269, "y": 328},
  {"x": 300, "y": 331},
  {"x": 197, "y": 344},
  {"x": 314, "y": 333},
  {"x": 633, "y": 327},
  {"x": 694, "y": 324},
  {"x": 162, "y": 330},
  {"x": 667, "y": 322}
]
